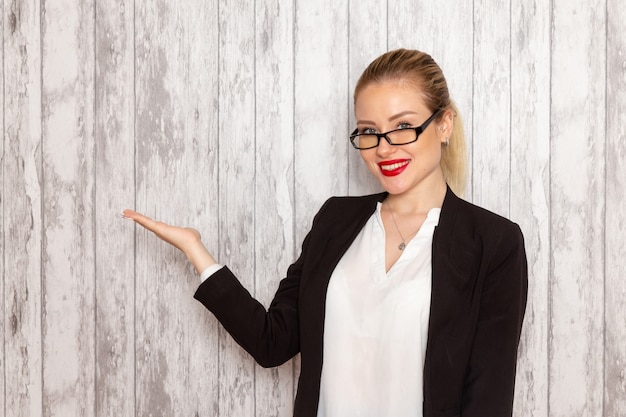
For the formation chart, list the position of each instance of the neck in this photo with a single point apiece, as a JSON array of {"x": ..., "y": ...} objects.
[{"x": 418, "y": 201}]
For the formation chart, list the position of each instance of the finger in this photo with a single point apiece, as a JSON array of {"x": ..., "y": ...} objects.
[
  {"x": 132, "y": 215},
  {"x": 128, "y": 213},
  {"x": 142, "y": 220}
]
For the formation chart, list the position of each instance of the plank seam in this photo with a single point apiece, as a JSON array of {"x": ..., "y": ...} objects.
[
  {"x": 604, "y": 237},
  {"x": 94, "y": 223},
  {"x": 550, "y": 224},
  {"x": 2, "y": 173},
  {"x": 42, "y": 299},
  {"x": 347, "y": 121},
  {"x": 510, "y": 104}
]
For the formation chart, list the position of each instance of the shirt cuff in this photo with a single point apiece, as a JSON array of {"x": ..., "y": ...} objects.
[{"x": 210, "y": 271}]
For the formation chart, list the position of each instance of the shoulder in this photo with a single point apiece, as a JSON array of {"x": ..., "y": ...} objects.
[
  {"x": 479, "y": 237},
  {"x": 483, "y": 216},
  {"x": 466, "y": 218},
  {"x": 339, "y": 206},
  {"x": 341, "y": 212}
]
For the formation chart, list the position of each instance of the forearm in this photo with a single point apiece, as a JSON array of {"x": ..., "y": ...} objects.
[{"x": 271, "y": 337}]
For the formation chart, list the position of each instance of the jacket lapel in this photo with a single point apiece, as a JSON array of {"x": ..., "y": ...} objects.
[{"x": 453, "y": 276}]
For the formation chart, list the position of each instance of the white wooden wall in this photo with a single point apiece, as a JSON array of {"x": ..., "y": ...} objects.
[{"x": 232, "y": 117}]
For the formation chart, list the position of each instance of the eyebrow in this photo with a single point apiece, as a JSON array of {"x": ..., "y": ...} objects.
[{"x": 392, "y": 118}]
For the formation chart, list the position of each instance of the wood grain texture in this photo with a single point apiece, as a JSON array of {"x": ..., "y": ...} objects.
[
  {"x": 176, "y": 367},
  {"x": 402, "y": 24},
  {"x": 321, "y": 107},
  {"x": 491, "y": 147},
  {"x": 530, "y": 192},
  {"x": 68, "y": 208},
  {"x": 200, "y": 366},
  {"x": 237, "y": 197},
  {"x": 21, "y": 211},
  {"x": 2, "y": 234},
  {"x": 274, "y": 246},
  {"x": 577, "y": 209},
  {"x": 615, "y": 221},
  {"x": 114, "y": 191}
]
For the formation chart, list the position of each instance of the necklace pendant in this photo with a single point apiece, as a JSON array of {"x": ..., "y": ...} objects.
[{"x": 401, "y": 246}]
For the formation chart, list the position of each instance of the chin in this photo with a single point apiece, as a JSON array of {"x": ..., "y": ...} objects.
[{"x": 394, "y": 189}]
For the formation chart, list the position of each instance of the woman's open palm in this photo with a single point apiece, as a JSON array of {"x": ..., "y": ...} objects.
[
  {"x": 179, "y": 237},
  {"x": 186, "y": 239}
]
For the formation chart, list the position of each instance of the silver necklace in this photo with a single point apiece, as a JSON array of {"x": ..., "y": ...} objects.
[{"x": 402, "y": 245}]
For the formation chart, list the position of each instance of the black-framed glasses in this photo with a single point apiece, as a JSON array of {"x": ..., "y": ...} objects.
[{"x": 394, "y": 137}]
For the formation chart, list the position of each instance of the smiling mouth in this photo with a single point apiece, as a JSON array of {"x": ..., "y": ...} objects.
[{"x": 392, "y": 168}]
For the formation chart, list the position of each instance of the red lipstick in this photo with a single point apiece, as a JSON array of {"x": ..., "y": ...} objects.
[{"x": 393, "y": 167}]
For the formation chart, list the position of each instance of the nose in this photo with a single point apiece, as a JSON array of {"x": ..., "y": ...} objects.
[{"x": 384, "y": 149}]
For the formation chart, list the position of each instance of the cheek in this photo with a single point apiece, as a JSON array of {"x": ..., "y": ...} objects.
[
  {"x": 429, "y": 148},
  {"x": 366, "y": 155},
  {"x": 369, "y": 159},
  {"x": 432, "y": 158}
]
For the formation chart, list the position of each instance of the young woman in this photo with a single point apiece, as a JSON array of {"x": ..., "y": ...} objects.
[{"x": 404, "y": 303}]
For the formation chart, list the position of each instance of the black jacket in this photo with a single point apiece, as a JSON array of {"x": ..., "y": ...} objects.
[{"x": 479, "y": 289}]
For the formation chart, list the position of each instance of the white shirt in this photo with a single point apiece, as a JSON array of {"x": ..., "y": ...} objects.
[{"x": 376, "y": 326}]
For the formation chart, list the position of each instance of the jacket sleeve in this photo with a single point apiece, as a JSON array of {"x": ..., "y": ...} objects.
[
  {"x": 490, "y": 379},
  {"x": 270, "y": 336}
]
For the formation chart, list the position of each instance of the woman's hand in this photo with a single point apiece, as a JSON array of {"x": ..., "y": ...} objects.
[{"x": 187, "y": 240}]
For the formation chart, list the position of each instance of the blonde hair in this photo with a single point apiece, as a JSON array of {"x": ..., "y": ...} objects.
[{"x": 421, "y": 70}]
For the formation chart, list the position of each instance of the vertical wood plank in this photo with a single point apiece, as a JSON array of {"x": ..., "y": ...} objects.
[
  {"x": 530, "y": 192},
  {"x": 175, "y": 132},
  {"x": 21, "y": 206},
  {"x": 201, "y": 366},
  {"x": 445, "y": 31},
  {"x": 237, "y": 198},
  {"x": 615, "y": 222},
  {"x": 491, "y": 149},
  {"x": 367, "y": 40},
  {"x": 68, "y": 177},
  {"x": 274, "y": 182},
  {"x": 402, "y": 32},
  {"x": 114, "y": 167},
  {"x": 577, "y": 208}
]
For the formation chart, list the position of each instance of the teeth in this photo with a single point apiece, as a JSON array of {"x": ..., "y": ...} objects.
[{"x": 393, "y": 166}]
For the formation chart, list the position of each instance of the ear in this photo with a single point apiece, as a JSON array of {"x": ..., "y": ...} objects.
[{"x": 445, "y": 126}]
